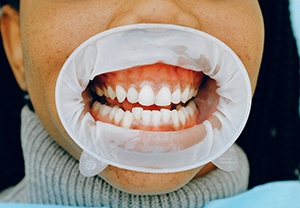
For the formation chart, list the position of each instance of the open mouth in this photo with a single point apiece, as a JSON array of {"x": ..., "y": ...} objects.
[{"x": 155, "y": 97}]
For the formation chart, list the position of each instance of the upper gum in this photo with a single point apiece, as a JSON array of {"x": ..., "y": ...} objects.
[{"x": 171, "y": 76}]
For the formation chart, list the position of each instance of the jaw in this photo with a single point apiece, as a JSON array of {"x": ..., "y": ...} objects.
[{"x": 141, "y": 183}]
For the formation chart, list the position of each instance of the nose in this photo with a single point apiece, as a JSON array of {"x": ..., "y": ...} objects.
[{"x": 154, "y": 11}]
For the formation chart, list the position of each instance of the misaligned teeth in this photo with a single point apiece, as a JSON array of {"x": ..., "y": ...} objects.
[
  {"x": 147, "y": 117},
  {"x": 147, "y": 96}
]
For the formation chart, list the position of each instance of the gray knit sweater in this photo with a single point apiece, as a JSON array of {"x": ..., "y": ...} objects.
[{"x": 52, "y": 177}]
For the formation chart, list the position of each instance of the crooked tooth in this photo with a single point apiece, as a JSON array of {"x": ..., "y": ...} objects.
[
  {"x": 146, "y": 96},
  {"x": 137, "y": 112},
  {"x": 176, "y": 96},
  {"x": 132, "y": 95},
  {"x": 127, "y": 120},
  {"x": 118, "y": 115},
  {"x": 156, "y": 117},
  {"x": 146, "y": 117},
  {"x": 175, "y": 118},
  {"x": 163, "y": 97},
  {"x": 166, "y": 115},
  {"x": 185, "y": 95},
  {"x": 120, "y": 93},
  {"x": 111, "y": 93}
]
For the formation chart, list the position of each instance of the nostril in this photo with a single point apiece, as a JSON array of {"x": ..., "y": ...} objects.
[{"x": 154, "y": 11}]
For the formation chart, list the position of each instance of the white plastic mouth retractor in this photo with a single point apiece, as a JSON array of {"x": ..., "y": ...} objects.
[{"x": 141, "y": 44}]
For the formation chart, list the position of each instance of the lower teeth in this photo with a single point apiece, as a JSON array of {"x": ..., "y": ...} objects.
[{"x": 177, "y": 118}]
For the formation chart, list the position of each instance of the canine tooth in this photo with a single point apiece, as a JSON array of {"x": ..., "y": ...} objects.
[
  {"x": 182, "y": 117},
  {"x": 105, "y": 110},
  {"x": 127, "y": 120},
  {"x": 156, "y": 117},
  {"x": 111, "y": 93},
  {"x": 137, "y": 112},
  {"x": 176, "y": 96},
  {"x": 132, "y": 95},
  {"x": 113, "y": 112},
  {"x": 166, "y": 115},
  {"x": 120, "y": 93},
  {"x": 185, "y": 95},
  {"x": 118, "y": 115},
  {"x": 175, "y": 117},
  {"x": 146, "y": 117},
  {"x": 146, "y": 96},
  {"x": 163, "y": 97}
]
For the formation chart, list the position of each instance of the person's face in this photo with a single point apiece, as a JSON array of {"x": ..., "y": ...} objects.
[{"x": 51, "y": 30}]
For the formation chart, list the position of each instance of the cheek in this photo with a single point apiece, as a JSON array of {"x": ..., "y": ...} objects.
[
  {"x": 45, "y": 51},
  {"x": 241, "y": 28}
]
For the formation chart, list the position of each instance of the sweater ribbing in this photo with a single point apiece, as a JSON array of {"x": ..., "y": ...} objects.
[{"x": 52, "y": 177}]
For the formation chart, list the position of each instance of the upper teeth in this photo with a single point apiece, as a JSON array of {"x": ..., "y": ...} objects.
[{"x": 146, "y": 96}]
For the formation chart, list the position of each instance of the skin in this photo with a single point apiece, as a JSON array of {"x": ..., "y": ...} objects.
[{"x": 40, "y": 37}]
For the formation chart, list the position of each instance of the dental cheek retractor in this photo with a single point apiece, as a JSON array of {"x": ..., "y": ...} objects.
[{"x": 147, "y": 151}]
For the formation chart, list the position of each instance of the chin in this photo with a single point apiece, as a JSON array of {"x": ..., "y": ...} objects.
[{"x": 141, "y": 183}]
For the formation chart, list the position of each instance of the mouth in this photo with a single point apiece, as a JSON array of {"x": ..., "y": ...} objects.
[{"x": 155, "y": 97}]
